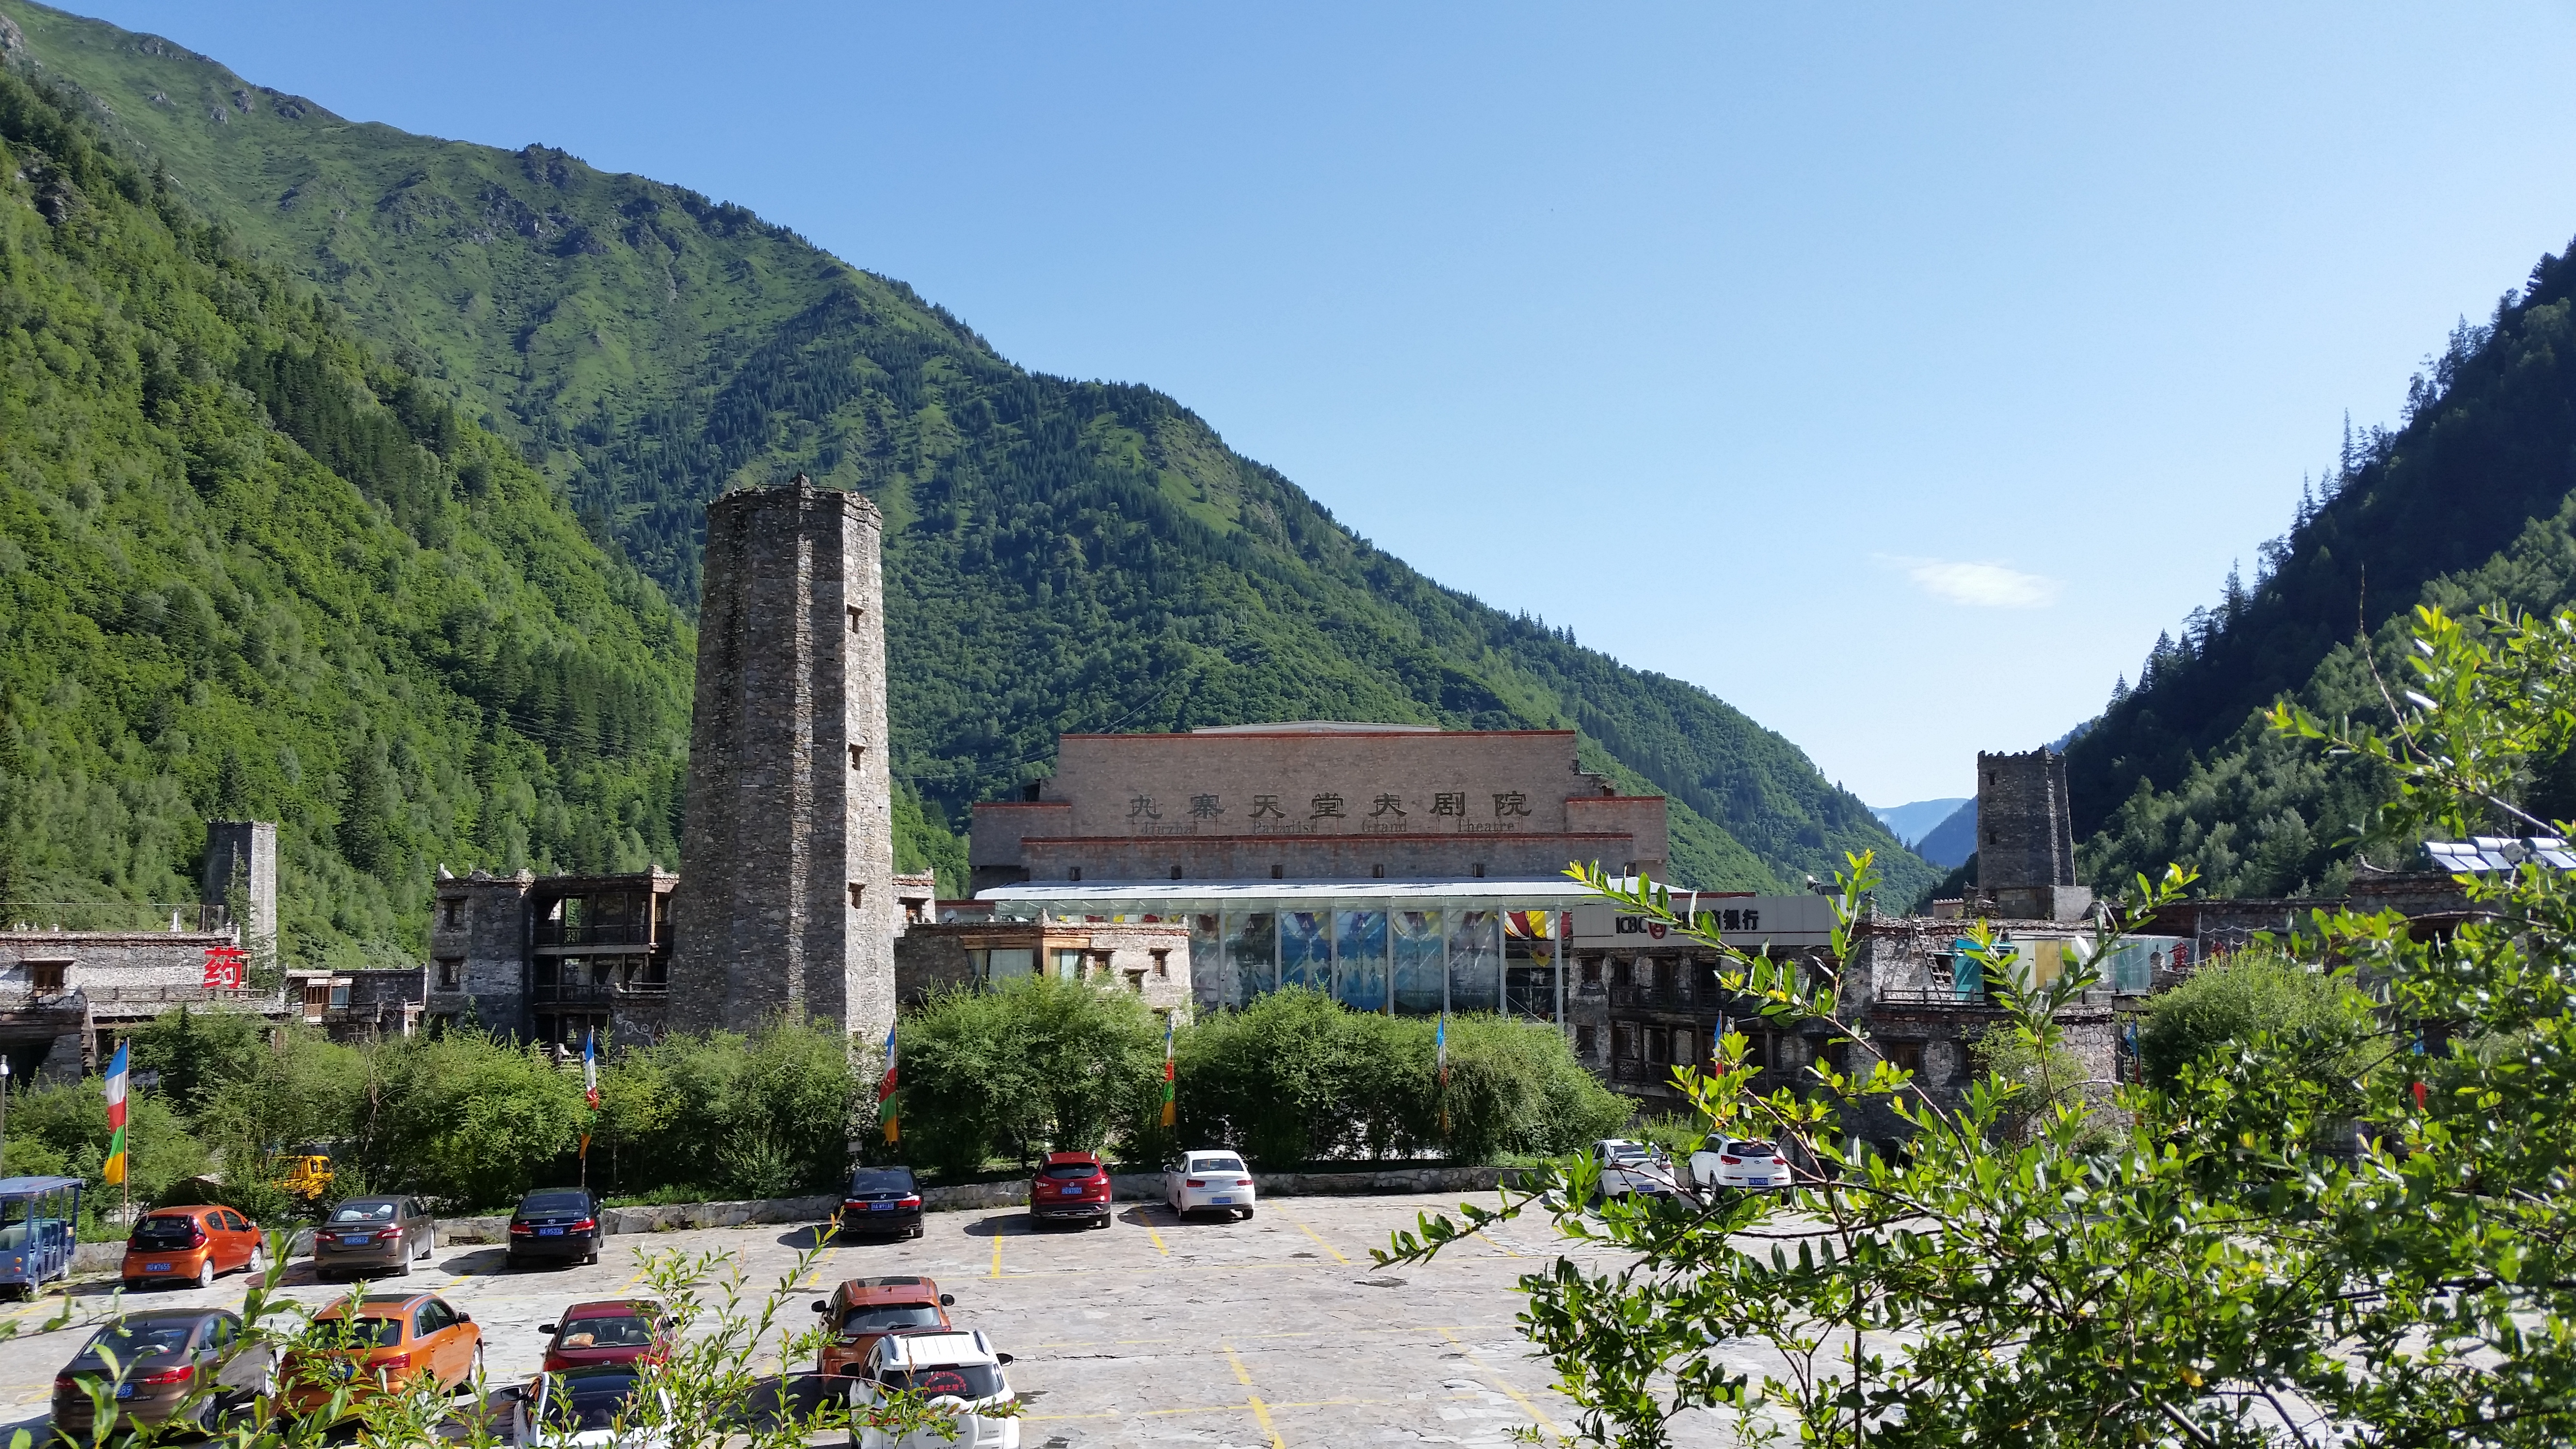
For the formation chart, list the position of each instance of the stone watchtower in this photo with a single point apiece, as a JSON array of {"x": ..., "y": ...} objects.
[
  {"x": 786, "y": 895},
  {"x": 2026, "y": 838},
  {"x": 241, "y": 875}
]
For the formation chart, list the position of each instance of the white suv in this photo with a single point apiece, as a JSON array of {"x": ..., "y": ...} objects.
[
  {"x": 1633, "y": 1168},
  {"x": 1739, "y": 1162},
  {"x": 956, "y": 1371}
]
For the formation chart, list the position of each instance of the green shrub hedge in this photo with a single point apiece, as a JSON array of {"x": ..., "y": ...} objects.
[{"x": 1295, "y": 1077}]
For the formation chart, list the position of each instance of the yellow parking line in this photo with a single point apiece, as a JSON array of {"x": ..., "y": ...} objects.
[
  {"x": 997, "y": 1255},
  {"x": 824, "y": 1261},
  {"x": 1148, "y": 1220},
  {"x": 1260, "y": 1410},
  {"x": 1319, "y": 1242},
  {"x": 1495, "y": 1377},
  {"x": 1508, "y": 1253}
]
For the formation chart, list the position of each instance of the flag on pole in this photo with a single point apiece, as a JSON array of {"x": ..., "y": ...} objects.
[
  {"x": 885, "y": 1089},
  {"x": 590, "y": 1071},
  {"x": 1440, "y": 1054},
  {"x": 1170, "y": 1104},
  {"x": 114, "y": 1171}
]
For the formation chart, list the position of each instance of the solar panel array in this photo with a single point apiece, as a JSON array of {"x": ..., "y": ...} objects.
[{"x": 2484, "y": 854}]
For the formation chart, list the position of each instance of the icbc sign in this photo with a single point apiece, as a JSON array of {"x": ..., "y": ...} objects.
[{"x": 1639, "y": 926}]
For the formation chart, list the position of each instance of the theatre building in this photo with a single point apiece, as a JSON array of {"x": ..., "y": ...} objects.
[{"x": 1400, "y": 867}]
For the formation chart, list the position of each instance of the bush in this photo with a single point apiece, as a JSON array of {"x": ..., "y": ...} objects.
[
  {"x": 1296, "y": 1077},
  {"x": 1038, "y": 1065},
  {"x": 2225, "y": 1005},
  {"x": 758, "y": 1115},
  {"x": 65, "y": 1128}
]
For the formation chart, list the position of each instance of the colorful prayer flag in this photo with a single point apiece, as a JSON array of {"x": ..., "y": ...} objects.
[
  {"x": 1170, "y": 1102},
  {"x": 589, "y": 1074},
  {"x": 885, "y": 1089},
  {"x": 114, "y": 1171}
]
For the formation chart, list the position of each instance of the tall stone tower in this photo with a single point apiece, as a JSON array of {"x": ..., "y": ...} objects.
[
  {"x": 786, "y": 896},
  {"x": 2026, "y": 837},
  {"x": 241, "y": 856}
]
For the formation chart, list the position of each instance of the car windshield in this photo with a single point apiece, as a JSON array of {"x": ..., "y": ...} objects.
[
  {"x": 552, "y": 1204},
  {"x": 165, "y": 1232},
  {"x": 354, "y": 1332},
  {"x": 1216, "y": 1164},
  {"x": 881, "y": 1317},
  {"x": 623, "y": 1331},
  {"x": 964, "y": 1381},
  {"x": 881, "y": 1179},
  {"x": 129, "y": 1341},
  {"x": 363, "y": 1212},
  {"x": 1624, "y": 1151},
  {"x": 1070, "y": 1169},
  {"x": 1750, "y": 1149},
  {"x": 591, "y": 1403}
]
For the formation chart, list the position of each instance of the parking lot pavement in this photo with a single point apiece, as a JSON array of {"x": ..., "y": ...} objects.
[{"x": 1276, "y": 1331}]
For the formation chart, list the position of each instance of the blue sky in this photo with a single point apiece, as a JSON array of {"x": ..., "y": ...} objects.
[{"x": 1894, "y": 372}]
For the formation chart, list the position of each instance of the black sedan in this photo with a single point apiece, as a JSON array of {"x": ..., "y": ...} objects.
[
  {"x": 556, "y": 1225},
  {"x": 882, "y": 1201},
  {"x": 186, "y": 1363}
]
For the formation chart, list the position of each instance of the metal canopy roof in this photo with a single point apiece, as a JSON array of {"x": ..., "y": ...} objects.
[{"x": 1540, "y": 888}]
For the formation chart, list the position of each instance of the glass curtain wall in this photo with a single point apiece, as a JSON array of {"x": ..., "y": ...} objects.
[
  {"x": 1421, "y": 962},
  {"x": 1251, "y": 956},
  {"x": 1359, "y": 959},
  {"x": 1306, "y": 949},
  {"x": 1476, "y": 961}
]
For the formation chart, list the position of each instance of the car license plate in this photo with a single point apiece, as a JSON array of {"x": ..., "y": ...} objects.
[
  {"x": 156, "y": 1267},
  {"x": 356, "y": 1240},
  {"x": 1221, "y": 1199},
  {"x": 880, "y": 1207},
  {"x": 1072, "y": 1191},
  {"x": 125, "y": 1391},
  {"x": 550, "y": 1232}
]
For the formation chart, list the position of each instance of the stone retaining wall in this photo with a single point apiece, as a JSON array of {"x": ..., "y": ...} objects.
[{"x": 971, "y": 1196}]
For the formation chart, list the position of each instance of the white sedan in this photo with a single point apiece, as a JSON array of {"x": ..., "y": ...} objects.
[
  {"x": 955, "y": 1375},
  {"x": 1207, "y": 1181}
]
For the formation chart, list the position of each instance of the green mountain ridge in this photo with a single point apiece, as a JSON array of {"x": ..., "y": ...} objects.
[
  {"x": 2471, "y": 502},
  {"x": 1061, "y": 555}
]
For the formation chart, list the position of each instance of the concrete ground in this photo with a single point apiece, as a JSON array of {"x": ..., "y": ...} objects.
[{"x": 1274, "y": 1332}]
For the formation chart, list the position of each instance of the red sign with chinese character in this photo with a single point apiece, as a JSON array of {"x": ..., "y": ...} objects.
[{"x": 225, "y": 968}]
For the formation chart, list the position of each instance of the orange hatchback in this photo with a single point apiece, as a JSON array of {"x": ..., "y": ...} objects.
[
  {"x": 192, "y": 1245},
  {"x": 392, "y": 1341},
  {"x": 864, "y": 1310}
]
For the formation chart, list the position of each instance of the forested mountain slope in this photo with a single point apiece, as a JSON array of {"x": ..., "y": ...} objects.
[
  {"x": 247, "y": 568},
  {"x": 2468, "y": 503},
  {"x": 1062, "y": 555}
]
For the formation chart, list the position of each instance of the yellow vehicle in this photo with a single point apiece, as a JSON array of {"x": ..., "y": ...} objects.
[{"x": 306, "y": 1175}]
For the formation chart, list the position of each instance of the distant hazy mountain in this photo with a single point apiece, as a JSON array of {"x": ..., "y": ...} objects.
[
  {"x": 1913, "y": 822},
  {"x": 1953, "y": 840}
]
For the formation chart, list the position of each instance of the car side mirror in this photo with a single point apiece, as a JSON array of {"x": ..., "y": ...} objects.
[
  {"x": 463, "y": 1317},
  {"x": 822, "y": 1307},
  {"x": 1001, "y": 1358},
  {"x": 546, "y": 1328},
  {"x": 947, "y": 1300}
]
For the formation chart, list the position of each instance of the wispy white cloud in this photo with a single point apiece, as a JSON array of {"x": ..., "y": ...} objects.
[{"x": 1981, "y": 585}]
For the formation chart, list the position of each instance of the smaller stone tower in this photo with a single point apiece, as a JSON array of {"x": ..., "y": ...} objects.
[
  {"x": 241, "y": 855},
  {"x": 786, "y": 896},
  {"x": 2026, "y": 838}
]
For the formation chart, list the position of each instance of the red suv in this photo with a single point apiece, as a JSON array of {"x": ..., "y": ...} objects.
[{"x": 1070, "y": 1185}]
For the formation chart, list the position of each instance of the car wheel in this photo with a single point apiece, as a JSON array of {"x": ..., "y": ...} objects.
[
  {"x": 258, "y": 1261},
  {"x": 1247, "y": 1215},
  {"x": 206, "y": 1272},
  {"x": 591, "y": 1259},
  {"x": 430, "y": 1248},
  {"x": 402, "y": 1266}
]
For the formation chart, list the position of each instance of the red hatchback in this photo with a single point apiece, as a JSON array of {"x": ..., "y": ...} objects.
[
  {"x": 612, "y": 1331},
  {"x": 1070, "y": 1185}
]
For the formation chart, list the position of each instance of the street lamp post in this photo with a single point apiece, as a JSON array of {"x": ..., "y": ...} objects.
[{"x": 4, "y": 1112}]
